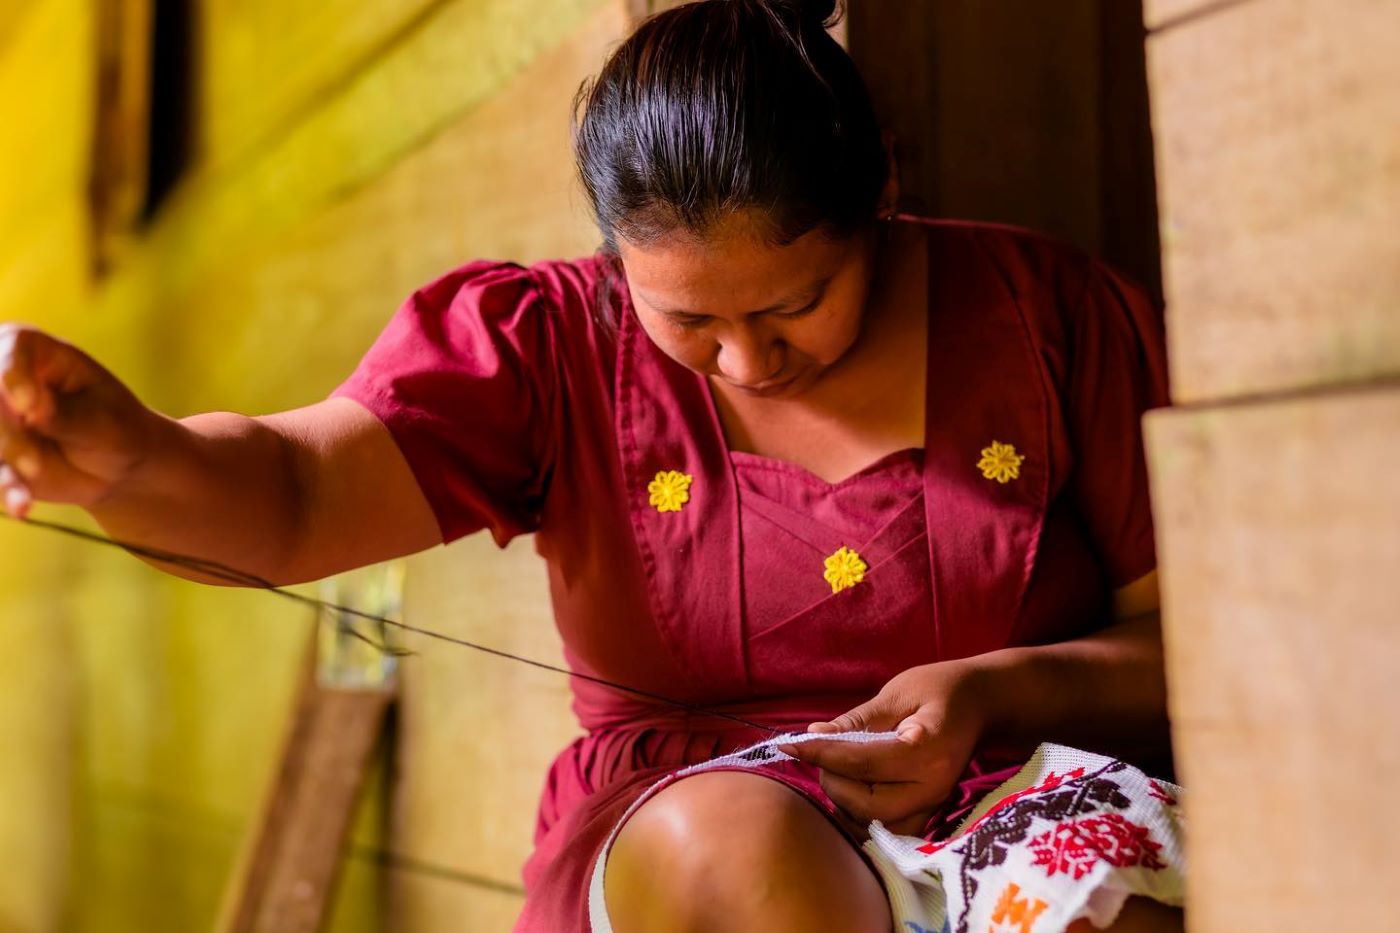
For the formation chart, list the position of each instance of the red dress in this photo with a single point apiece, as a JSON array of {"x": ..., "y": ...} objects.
[{"x": 521, "y": 407}]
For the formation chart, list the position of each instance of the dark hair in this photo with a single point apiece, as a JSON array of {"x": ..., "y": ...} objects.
[{"x": 723, "y": 106}]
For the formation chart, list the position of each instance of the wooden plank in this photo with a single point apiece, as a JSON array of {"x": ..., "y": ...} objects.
[
  {"x": 266, "y": 61},
  {"x": 38, "y": 726},
  {"x": 894, "y": 44},
  {"x": 1168, "y": 14},
  {"x": 1020, "y": 141},
  {"x": 498, "y": 182},
  {"x": 422, "y": 902},
  {"x": 287, "y": 876},
  {"x": 1032, "y": 114},
  {"x": 472, "y": 760},
  {"x": 360, "y": 131},
  {"x": 1277, "y": 531},
  {"x": 1128, "y": 224},
  {"x": 120, "y": 152},
  {"x": 1279, "y": 171}
]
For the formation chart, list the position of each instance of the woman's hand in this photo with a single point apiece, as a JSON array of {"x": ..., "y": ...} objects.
[
  {"x": 70, "y": 431},
  {"x": 939, "y": 715}
]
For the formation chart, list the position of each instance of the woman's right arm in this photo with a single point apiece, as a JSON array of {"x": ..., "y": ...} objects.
[{"x": 289, "y": 497}]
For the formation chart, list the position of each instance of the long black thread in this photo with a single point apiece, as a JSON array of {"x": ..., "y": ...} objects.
[{"x": 240, "y": 578}]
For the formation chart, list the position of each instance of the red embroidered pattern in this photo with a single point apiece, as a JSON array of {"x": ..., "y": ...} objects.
[
  {"x": 1052, "y": 781},
  {"x": 1160, "y": 792},
  {"x": 1074, "y": 846}
]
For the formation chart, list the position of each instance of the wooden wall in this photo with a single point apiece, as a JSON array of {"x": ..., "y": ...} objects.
[
  {"x": 335, "y": 156},
  {"x": 1019, "y": 112},
  {"x": 1278, "y": 141}
]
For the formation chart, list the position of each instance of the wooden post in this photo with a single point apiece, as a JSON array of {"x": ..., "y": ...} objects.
[
  {"x": 288, "y": 870},
  {"x": 285, "y": 879}
]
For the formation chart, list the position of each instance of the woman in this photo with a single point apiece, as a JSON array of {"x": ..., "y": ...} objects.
[{"x": 789, "y": 455}]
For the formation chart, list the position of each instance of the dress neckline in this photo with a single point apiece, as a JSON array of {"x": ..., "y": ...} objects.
[{"x": 907, "y": 457}]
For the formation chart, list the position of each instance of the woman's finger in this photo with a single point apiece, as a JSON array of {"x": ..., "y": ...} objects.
[
  {"x": 887, "y": 801},
  {"x": 27, "y": 365},
  {"x": 20, "y": 451},
  {"x": 16, "y": 380},
  {"x": 14, "y": 494}
]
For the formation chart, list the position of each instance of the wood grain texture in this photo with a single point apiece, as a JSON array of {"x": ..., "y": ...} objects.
[
  {"x": 265, "y": 63},
  {"x": 1031, "y": 114},
  {"x": 1167, "y": 14},
  {"x": 287, "y": 878},
  {"x": 477, "y": 733},
  {"x": 362, "y": 129},
  {"x": 1278, "y": 546},
  {"x": 1279, "y": 170},
  {"x": 427, "y": 905},
  {"x": 121, "y": 151}
]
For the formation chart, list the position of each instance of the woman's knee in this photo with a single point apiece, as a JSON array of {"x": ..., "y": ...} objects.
[{"x": 731, "y": 851}]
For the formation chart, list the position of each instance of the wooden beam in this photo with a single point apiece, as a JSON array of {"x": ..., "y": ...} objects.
[
  {"x": 1277, "y": 536},
  {"x": 1279, "y": 161},
  {"x": 1026, "y": 113},
  {"x": 120, "y": 159},
  {"x": 287, "y": 874}
]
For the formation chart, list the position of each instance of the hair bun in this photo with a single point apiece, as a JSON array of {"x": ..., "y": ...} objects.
[{"x": 822, "y": 13}]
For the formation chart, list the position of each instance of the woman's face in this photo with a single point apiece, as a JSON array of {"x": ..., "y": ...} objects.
[{"x": 767, "y": 321}]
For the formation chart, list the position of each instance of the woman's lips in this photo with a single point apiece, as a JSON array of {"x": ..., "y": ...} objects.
[{"x": 768, "y": 387}]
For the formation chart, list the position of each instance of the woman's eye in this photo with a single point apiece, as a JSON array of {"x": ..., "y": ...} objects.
[
  {"x": 689, "y": 321},
  {"x": 801, "y": 311}
]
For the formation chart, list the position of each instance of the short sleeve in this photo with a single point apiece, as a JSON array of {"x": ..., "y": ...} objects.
[
  {"x": 463, "y": 376},
  {"x": 1117, "y": 372}
]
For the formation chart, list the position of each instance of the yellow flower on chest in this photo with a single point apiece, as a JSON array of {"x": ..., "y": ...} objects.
[
  {"x": 669, "y": 491},
  {"x": 1000, "y": 462},
  {"x": 844, "y": 569}
]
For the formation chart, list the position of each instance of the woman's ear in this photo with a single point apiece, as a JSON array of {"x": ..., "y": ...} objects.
[{"x": 889, "y": 197}]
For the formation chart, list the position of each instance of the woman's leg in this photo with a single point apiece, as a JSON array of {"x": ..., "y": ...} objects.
[{"x": 734, "y": 851}]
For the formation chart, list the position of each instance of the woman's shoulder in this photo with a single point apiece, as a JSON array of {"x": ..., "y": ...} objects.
[
  {"x": 577, "y": 288},
  {"x": 1035, "y": 267},
  {"x": 552, "y": 307},
  {"x": 1060, "y": 289}
]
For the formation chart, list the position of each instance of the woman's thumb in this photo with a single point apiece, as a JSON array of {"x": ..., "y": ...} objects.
[{"x": 870, "y": 716}]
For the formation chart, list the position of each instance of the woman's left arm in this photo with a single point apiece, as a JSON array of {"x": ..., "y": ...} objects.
[{"x": 1106, "y": 691}]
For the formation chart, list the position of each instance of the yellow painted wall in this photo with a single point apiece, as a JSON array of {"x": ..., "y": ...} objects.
[{"x": 347, "y": 151}]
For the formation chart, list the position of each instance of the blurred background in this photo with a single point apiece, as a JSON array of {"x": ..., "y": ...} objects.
[{"x": 224, "y": 200}]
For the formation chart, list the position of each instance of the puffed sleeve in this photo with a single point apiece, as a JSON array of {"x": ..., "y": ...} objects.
[
  {"x": 464, "y": 378},
  {"x": 1117, "y": 372}
]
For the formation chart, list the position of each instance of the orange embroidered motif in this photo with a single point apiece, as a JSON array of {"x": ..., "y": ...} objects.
[
  {"x": 669, "y": 491},
  {"x": 1015, "y": 916},
  {"x": 1000, "y": 462},
  {"x": 844, "y": 569}
]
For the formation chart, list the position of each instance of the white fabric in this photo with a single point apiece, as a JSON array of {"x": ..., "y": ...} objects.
[{"x": 1072, "y": 835}]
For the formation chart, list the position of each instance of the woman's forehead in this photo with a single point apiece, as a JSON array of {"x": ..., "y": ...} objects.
[{"x": 731, "y": 269}]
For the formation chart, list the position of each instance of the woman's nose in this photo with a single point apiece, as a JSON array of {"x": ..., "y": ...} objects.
[{"x": 749, "y": 359}]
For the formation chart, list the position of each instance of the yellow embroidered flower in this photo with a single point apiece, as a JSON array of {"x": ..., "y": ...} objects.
[
  {"x": 1000, "y": 462},
  {"x": 844, "y": 569},
  {"x": 670, "y": 490}
]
